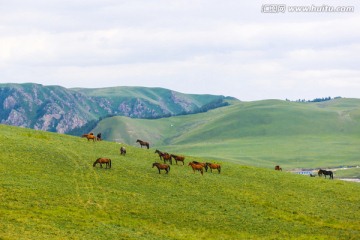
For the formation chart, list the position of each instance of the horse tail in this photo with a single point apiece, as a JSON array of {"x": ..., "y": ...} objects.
[
  {"x": 110, "y": 163},
  {"x": 219, "y": 168},
  {"x": 147, "y": 145}
]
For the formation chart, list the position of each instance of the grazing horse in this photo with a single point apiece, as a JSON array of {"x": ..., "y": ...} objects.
[
  {"x": 178, "y": 158},
  {"x": 142, "y": 143},
  {"x": 107, "y": 161},
  {"x": 330, "y": 173},
  {"x": 98, "y": 137},
  {"x": 89, "y": 137},
  {"x": 123, "y": 151},
  {"x": 161, "y": 166},
  {"x": 214, "y": 166},
  {"x": 197, "y": 167},
  {"x": 278, "y": 168},
  {"x": 202, "y": 164},
  {"x": 160, "y": 153}
]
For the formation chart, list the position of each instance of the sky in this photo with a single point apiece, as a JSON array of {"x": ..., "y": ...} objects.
[{"x": 252, "y": 51}]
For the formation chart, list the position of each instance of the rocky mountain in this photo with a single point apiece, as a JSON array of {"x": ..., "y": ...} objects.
[{"x": 62, "y": 110}]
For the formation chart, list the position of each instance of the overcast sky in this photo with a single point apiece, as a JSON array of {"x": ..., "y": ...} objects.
[{"x": 224, "y": 47}]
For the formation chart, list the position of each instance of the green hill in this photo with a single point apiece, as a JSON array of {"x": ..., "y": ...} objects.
[
  {"x": 50, "y": 190},
  {"x": 262, "y": 133}
]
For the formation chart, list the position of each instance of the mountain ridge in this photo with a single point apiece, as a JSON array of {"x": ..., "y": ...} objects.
[{"x": 71, "y": 110}]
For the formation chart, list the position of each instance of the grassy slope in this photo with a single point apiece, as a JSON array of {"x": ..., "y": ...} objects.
[
  {"x": 262, "y": 133},
  {"x": 49, "y": 190}
]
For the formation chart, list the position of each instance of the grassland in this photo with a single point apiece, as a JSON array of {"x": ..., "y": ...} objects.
[
  {"x": 261, "y": 133},
  {"x": 50, "y": 190}
]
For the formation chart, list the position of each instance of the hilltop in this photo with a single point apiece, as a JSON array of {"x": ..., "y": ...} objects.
[{"x": 50, "y": 190}]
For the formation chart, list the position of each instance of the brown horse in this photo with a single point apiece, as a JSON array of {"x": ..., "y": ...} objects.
[
  {"x": 142, "y": 143},
  {"x": 123, "y": 151},
  {"x": 196, "y": 167},
  {"x": 178, "y": 158},
  {"x": 202, "y": 164},
  {"x": 164, "y": 156},
  {"x": 89, "y": 137},
  {"x": 107, "y": 161},
  {"x": 161, "y": 166},
  {"x": 160, "y": 153},
  {"x": 214, "y": 166},
  {"x": 278, "y": 168},
  {"x": 167, "y": 157}
]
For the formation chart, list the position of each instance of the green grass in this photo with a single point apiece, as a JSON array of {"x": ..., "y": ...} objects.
[
  {"x": 49, "y": 190},
  {"x": 261, "y": 133}
]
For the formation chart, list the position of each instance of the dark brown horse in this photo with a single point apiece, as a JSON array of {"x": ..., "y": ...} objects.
[
  {"x": 89, "y": 137},
  {"x": 178, "y": 158},
  {"x": 142, "y": 143},
  {"x": 123, "y": 151},
  {"x": 214, "y": 166},
  {"x": 324, "y": 172},
  {"x": 160, "y": 153},
  {"x": 98, "y": 137},
  {"x": 107, "y": 161},
  {"x": 278, "y": 168},
  {"x": 164, "y": 156},
  {"x": 161, "y": 166},
  {"x": 196, "y": 167}
]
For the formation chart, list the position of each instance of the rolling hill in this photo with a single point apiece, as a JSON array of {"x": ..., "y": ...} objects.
[
  {"x": 260, "y": 133},
  {"x": 50, "y": 190}
]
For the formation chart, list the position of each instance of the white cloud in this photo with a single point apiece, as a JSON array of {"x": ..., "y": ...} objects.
[{"x": 228, "y": 48}]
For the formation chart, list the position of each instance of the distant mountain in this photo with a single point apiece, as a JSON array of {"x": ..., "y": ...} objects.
[{"x": 62, "y": 110}]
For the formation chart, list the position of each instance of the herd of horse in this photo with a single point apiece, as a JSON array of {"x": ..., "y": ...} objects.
[
  {"x": 167, "y": 157},
  {"x": 164, "y": 156}
]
